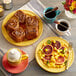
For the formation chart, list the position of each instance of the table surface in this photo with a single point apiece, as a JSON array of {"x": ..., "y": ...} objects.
[{"x": 33, "y": 68}]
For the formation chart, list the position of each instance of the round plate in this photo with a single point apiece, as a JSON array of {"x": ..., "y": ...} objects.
[
  {"x": 42, "y": 65},
  {"x": 26, "y": 42},
  {"x": 18, "y": 69}
]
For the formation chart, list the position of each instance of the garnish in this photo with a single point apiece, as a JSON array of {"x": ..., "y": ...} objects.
[
  {"x": 43, "y": 55},
  {"x": 54, "y": 41},
  {"x": 41, "y": 49},
  {"x": 61, "y": 54},
  {"x": 47, "y": 62},
  {"x": 63, "y": 3},
  {"x": 58, "y": 51},
  {"x": 65, "y": 62},
  {"x": 70, "y": 5},
  {"x": 55, "y": 48},
  {"x": 63, "y": 51},
  {"x": 46, "y": 50},
  {"x": 48, "y": 42}
]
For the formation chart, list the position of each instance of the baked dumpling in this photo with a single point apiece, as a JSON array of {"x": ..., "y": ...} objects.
[
  {"x": 18, "y": 35},
  {"x": 12, "y": 24},
  {"x": 32, "y": 21},
  {"x": 22, "y": 26},
  {"x": 31, "y": 32},
  {"x": 21, "y": 16},
  {"x": 31, "y": 27}
]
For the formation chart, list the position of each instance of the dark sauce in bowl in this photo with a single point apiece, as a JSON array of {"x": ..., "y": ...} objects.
[
  {"x": 62, "y": 28},
  {"x": 50, "y": 14}
]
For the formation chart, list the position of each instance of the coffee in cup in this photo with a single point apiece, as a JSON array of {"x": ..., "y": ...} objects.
[
  {"x": 51, "y": 16},
  {"x": 63, "y": 28},
  {"x": 14, "y": 56}
]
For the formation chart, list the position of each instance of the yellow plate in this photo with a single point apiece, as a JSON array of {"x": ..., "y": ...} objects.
[
  {"x": 26, "y": 42},
  {"x": 42, "y": 65}
]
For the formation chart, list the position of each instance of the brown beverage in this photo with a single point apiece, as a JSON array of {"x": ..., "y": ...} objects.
[
  {"x": 62, "y": 27},
  {"x": 50, "y": 14}
]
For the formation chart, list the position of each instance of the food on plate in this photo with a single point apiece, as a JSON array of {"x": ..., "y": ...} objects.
[
  {"x": 18, "y": 35},
  {"x": 12, "y": 24},
  {"x": 47, "y": 49},
  {"x": 32, "y": 21},
  {"x": 13, "y": 55},
  {"x": 56, "y": 44},
  {"x": 22, "y": 26},
  {"x": 21, "y": 16},
  {"x": 31, "y": 27},
  {"x": 31, "y": 32},
  {"x": 53, "y": 53}
]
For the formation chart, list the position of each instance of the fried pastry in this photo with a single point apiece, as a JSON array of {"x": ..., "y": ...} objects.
[
  {"x": 32, "y": 21},
  {"x": 31, "y": 32},
  {"x": 21, "y": 16},
  {"x": 31, "y": 27},
  {"x": 18, "y": 35},
  {"x": 12, "y": 24},
  {"x": 22, "y": 26}
]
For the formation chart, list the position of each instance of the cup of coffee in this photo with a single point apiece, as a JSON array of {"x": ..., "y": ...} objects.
[
  {"x": 14, "y": 56},
  {"x": 64, "y": 27},
  {"x": 51, "y": 16}
]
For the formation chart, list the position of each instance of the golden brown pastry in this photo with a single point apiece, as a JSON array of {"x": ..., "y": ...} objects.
[
  {"x": 31, "y": 32},
  {"x": 31, "y": 27},
  {"x": 21, "y": 16},
  {"x": 32, "y": 21},
  {"x": 12, "y": 24},
  {"x": 18, "y": 35},
  {"x": 22, "y": 26}
]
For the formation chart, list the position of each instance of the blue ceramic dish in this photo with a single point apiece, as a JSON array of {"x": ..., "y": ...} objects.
[{"x": 51, "y": 20}]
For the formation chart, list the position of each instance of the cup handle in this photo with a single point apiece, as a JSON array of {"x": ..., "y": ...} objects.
[
  {"x": 68, "y": 33},
  {"x": 24, "y": 56},
  {"x": 58, "y": 12}
]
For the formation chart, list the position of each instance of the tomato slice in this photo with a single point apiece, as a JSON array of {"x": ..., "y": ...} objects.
[
  {"x": 57, "y": 44},
  {"x": 62, "y": 48},
  {"x": 47, "y": 49},
  {"x": 47, "y": 58},
  {"x": 60, "y": 60}
]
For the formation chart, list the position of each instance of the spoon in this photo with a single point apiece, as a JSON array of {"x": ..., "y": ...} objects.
[
  {"x": 60, "y": 24},
  {"x": 54, "y": 9}
]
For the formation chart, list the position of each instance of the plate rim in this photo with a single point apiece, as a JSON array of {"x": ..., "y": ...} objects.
[
  {"x": 57, "y": 68},
  {"x": 16, "y": 72},
  {"x": 24, "y": 43}
]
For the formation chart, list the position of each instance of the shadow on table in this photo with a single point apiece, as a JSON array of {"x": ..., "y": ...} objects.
[
  {"x": 33, "y": 69},
  {"x": 6, "y": 73}
]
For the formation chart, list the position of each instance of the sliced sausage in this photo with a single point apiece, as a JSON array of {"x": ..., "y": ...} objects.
[
  {"x": 47, "y": 49},
  {"x": 57, "y": 44},
  {"x": 60, "y": 60}
]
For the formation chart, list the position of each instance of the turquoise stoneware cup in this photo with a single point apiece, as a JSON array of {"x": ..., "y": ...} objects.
[{"x": 51, "y": 20}]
